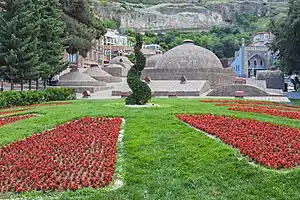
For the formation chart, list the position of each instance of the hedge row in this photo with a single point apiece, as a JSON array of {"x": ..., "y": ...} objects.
[{"x": 25, "y": 98}]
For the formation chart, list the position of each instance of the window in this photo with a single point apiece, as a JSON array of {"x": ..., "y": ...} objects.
[
  {"x": 255, "y": 63},
  {"x": 248, "y": 62},
  {"x": 89, "y": 55},
  {"x": 261, "y": 63},
  {"x": 72, "y": 58}
]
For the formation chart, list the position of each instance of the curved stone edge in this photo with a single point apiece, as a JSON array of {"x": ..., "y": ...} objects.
[
  {"x": 118, "y": 180},
  {"x": 229, "y": 90}
]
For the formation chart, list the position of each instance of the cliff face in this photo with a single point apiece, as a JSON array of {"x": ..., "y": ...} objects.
[{"x": 143, "y": 15}]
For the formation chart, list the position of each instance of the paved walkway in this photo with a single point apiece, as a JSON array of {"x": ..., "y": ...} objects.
[
  {"x": 106, "y": 94},
  {"x": 294, "y": 95}
]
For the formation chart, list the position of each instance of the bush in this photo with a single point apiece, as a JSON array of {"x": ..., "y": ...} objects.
[{"x": 17, "y": 98}]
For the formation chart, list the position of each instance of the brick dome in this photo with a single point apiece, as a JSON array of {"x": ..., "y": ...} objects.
[
  {"x": 188, "y": 55},
  {"x": 150, "y": 62}
]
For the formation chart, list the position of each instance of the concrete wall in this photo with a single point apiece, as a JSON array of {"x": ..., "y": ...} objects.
[
  {"x": 229, "y": 90},
  {"x": 216, "y": 77},
  {"x": 274, "y": 79},
  {"x": 108, "y": 79}
]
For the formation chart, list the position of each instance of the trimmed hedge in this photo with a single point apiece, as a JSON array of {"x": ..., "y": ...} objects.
[
  {"x": 141, "y": 91},
  {"x": 25, "y": 98}
]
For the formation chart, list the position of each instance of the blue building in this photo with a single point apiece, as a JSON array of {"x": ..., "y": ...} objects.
[{"x": 256, "y": 56}]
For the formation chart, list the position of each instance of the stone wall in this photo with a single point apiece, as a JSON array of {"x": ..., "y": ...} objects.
[
  {"x": 216, "y": 77},
  {"x": 117, "y": 71},
  {"x": 229, "y": 91},
  {"x": 274, "y": 79},
  {"x": 108, "y": 79}
]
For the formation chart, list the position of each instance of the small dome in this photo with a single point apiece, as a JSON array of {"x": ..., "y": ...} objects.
[
  {"x": 188, "y": 55},
  {"x": 121, "y": 60},
  {"x": 150, "y": 62},
  {"x": 96, "y": 71},
  {"x": 76, "y": 78},
  {"x": 99, "y": 74}
]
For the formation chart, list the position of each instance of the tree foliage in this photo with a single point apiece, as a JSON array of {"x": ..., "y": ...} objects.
[
  {"x": 81, "y": 25},
  {"x": 287, "y": 38},
  {"x": 35, "y": 33},
  {"x": 223, "y": 41}
]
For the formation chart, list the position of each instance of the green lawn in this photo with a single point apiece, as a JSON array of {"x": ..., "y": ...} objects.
[{"x": 164, "y": 158}]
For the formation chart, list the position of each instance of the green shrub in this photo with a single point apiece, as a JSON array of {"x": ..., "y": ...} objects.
[{"x": 17, "y": 98}]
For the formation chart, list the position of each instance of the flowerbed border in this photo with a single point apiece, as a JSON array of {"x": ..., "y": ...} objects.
[{"x": 239, "y": 155}]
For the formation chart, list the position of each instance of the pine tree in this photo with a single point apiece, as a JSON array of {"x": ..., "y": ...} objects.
[
  {"x": 51, "y": 38},
  {"x": 18, "y": 44}
]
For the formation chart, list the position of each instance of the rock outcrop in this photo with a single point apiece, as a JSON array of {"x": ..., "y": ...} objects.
[{"x": 160, "y": 15}]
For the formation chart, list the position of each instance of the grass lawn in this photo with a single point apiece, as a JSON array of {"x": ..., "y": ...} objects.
[{"x": 166, "y": 159}]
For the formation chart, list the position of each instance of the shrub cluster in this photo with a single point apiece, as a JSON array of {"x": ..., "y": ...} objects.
[{"x": 25, "y": 98}]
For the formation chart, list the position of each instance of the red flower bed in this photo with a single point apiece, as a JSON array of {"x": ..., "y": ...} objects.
[
  {"x": 272, "y": 145},
  {"x": 245, "y": 102},
  {"x": 269, "y": 111},
  {"x": 36, "y": 105},
  {"x": 12, "y": 111},
  {"x": 9, "y": 120},
  {"x": 78, "y": 154},
  {"x": 51, "y": 104},
  {"x": 261, "y": 106}
]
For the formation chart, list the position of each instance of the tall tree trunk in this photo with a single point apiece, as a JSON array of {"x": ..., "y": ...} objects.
[
  {"x": 11, "y": 84},
  {"x": 37, "y": 84},
  {"x": 45, "y": 83},
  {"x": 22, "y": 85},
  {"x": 29, "y": 84},
  {"x": 2, "y": 86}
]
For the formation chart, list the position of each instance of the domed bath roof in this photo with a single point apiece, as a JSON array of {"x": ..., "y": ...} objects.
[
  {"x": 76, "y": 78},
  {"x": 121, "y": 60},
  {"x": 150, "y": 62},
  {"x": 99, "y": 74},
  {"x": 188, "y": 55},
  {"x": 96, "y": 71}
]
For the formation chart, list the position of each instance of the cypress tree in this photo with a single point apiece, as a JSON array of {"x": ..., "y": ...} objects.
[{"x": 141, "y": 91}]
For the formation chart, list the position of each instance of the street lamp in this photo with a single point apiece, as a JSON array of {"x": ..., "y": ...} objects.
[{"x": 2, "y": 84}]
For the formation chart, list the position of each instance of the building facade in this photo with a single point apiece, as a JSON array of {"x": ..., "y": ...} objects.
[
  {"x": 254, "y": 57},
  {"x": 94, "y": 56}
]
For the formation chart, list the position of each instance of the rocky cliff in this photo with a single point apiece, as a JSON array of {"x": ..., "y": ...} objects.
[{"x": 154, "y": 15}]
